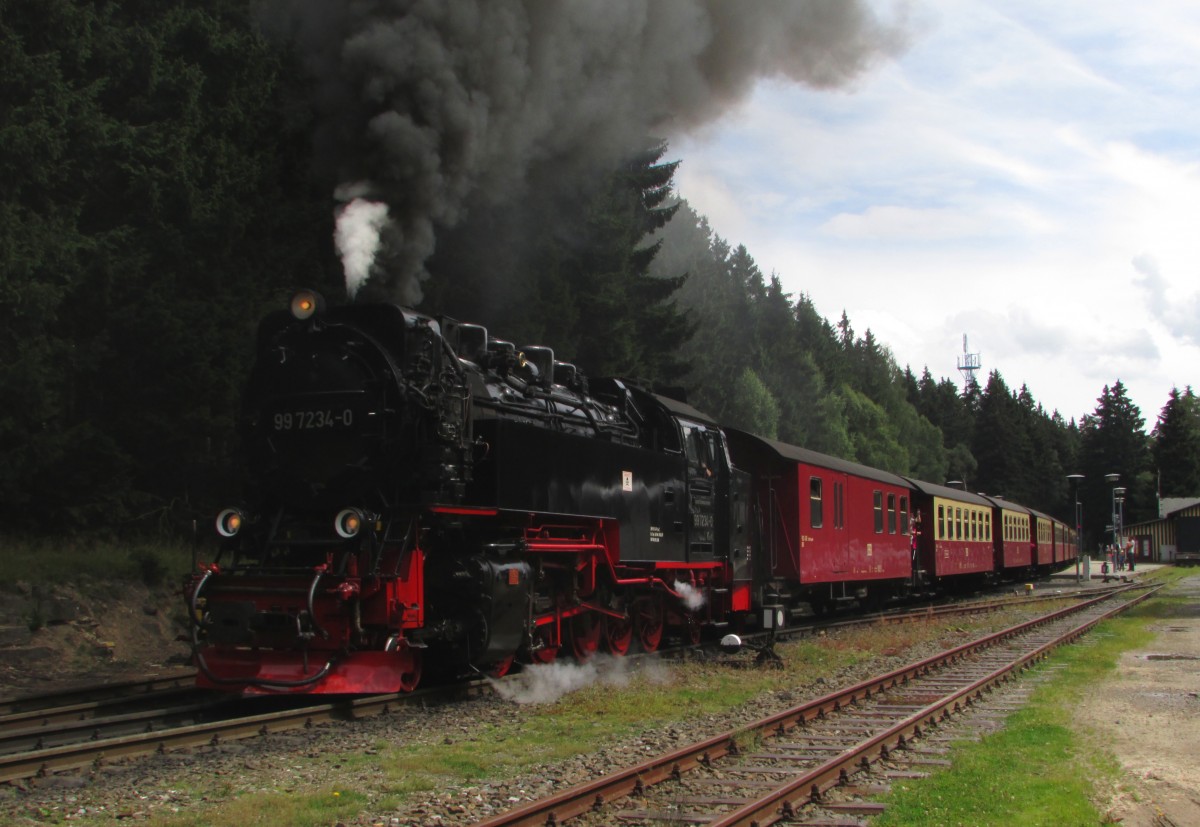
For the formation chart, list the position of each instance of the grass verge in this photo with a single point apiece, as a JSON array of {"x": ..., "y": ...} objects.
[
  {"x": 1040, "y": 769},
  {"x": 65, "y": 560}
]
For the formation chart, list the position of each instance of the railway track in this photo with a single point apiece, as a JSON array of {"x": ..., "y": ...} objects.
[
  {"x": 87, "y": 727},
  {"x": 302, "y": 712},
  {"x": 99, "y": 696},
  {"x": 774, "y": 769},
  {"x": 933, "y": 611}
]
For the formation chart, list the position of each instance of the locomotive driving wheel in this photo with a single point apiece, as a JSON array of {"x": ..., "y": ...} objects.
[
  {"x": 618, "y": 634},
  {"x": 545, "y": 647},
  {"x": 410, "y": 672},
  {"x": 585, "y": 635},
  {"x": 648, "y": 622},
  {"x": 501, "y": 668}
]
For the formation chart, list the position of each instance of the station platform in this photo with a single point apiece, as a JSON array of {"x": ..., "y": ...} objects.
[{"x": 1093, "y": 576}]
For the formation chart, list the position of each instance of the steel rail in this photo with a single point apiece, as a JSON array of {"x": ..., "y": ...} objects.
[
  {"x": 633, "y": 780},
  {"x": 95, "y": 753},
  {"x": 95, "y": 694},
  {"x": 782, "y": 803},
  {"x": 62, "y": 727}
]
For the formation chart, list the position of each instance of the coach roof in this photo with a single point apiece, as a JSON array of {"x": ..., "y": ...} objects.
[
  {"x": 948, "y": 493},
  {"x": 804, "y": 455}
]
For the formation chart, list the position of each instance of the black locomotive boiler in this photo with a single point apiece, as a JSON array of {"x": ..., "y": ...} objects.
[{"x": 422, "y": 496}]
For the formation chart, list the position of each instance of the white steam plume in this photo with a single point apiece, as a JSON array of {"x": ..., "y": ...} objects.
[
  {"x": 692, "y": 597},
  {"x": 443, "y": 104},
  {"x": 546, "y": 683},
  {"x": 356, "y": 234}
]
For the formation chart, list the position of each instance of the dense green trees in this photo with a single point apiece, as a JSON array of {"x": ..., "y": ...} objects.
[
  {"x": 810, "y": 383},
  {"x": 150, "y": 178},
  {"x": 160, "y": 195}
]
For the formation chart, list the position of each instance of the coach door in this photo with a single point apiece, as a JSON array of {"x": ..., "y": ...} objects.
[
  {"x": 840, "y": 540},
  {"x": 823, "y": 542},
  {"x": 701, "y": 446}
]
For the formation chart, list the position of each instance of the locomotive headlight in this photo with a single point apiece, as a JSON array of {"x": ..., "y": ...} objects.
[
  {"x": 349, "y": 522},
  {"x": 230, "y": 521},
  {"x": 306, "y": 304}
]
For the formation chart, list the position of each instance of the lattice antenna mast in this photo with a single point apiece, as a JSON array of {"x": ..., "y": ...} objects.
[{"x": 969, "y": 363}]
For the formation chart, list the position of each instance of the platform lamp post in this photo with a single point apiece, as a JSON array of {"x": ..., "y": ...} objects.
[
  {"x": 1075, "y": 478},
  {"x": 1118, "y": 500}
]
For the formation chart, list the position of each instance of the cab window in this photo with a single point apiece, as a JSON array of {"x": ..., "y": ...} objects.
[{"x": 698, "y": 450}]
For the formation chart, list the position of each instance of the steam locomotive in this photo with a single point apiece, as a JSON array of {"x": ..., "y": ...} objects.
[{"x": 422, "y": 497}]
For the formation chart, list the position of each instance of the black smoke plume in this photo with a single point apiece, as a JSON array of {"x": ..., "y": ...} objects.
[{"x": 431, "y": 106}]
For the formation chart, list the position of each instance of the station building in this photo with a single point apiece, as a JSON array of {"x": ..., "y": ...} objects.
[{"x": 1173, "y": 537}]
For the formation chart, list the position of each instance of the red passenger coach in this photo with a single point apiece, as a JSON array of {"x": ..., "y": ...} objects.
[
  {"x": 1042, "y": 539},
  {"x": 1065, "y": 550},
  {"x": 1014, "y": 547},
  {"x": 838, "y": 529},
  {"x": 956, "y": 533}
]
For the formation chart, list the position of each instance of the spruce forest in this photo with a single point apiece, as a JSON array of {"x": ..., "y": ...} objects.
[{"x": 164, "y": 189}]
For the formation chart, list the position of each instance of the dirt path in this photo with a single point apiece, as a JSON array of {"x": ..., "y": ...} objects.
[{"x": 1149, "y": 715}]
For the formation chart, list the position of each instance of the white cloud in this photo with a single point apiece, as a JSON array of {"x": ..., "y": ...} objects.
[
  {"x": 902, "y": 224},
  {"x": 997, "y": 180}
]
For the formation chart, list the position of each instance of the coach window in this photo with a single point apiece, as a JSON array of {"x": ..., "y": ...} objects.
[
  {"x": 891, "y": 509},
  {"x": 904, "y": 515},
  {"x": 878, "y": 512},
  {"x": 958, "y": 528},
  {"x": 987, "y": 525},
  {"x": 815, "y": 512},
  {"x": 941, "y": 522}
]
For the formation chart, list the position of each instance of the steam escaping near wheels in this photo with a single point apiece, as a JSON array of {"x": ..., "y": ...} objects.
[
  {"x": 546, "y": 683},
  {"x": 692, "y": 597}
]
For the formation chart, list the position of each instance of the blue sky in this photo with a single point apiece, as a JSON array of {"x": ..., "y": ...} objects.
[{"x": 1025, "y": 173}]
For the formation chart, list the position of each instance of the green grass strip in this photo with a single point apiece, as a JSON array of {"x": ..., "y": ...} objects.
[{"x": 1044, "y": 767}]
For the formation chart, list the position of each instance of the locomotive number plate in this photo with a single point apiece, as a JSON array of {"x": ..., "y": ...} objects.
[{"x": 312, "y": 420}]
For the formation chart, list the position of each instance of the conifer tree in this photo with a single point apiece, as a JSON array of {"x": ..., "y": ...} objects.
[
  {"x": 1176, "y": 446},
  {"x": 1113, "y": 441}
]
